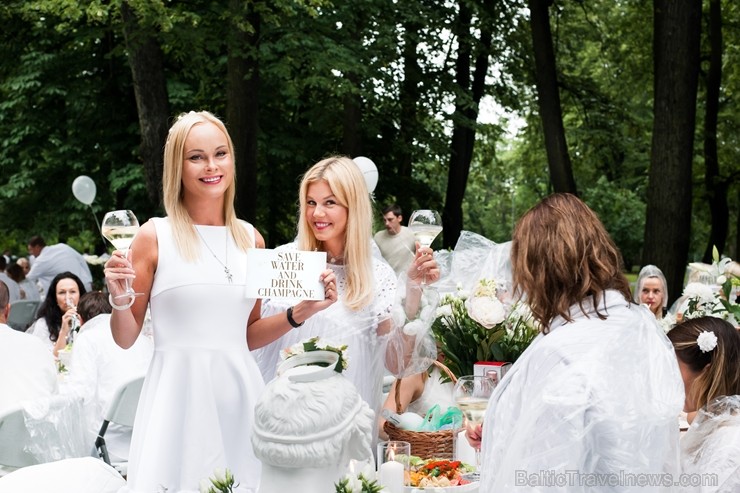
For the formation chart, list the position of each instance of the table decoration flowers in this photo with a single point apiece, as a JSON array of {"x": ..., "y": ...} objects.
[
  {"x": 482, "y": 326},
  {"x": 222, "y": 481},
  {"x": 717, "y": 299},
  {"x": 361, "y": 483}
]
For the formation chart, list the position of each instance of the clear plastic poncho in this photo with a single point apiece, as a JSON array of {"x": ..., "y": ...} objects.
[
  {"x": 377, "y": 336},
  {"x": 54, "y": 428},
  {"x": 710, "y": 450},
  {"x": 590, "y": 406},
  {"x": 475, "y": 257}
]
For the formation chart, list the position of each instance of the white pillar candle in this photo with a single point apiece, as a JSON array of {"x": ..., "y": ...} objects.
[{"x": 391, "y": 476}]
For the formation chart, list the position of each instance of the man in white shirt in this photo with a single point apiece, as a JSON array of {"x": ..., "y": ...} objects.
[
  {"x": 26, "y": 364},
  {"x": 54, "y": 259},
  {"x": 396, "y": 242},
  {"x": 99, "y": 367}
]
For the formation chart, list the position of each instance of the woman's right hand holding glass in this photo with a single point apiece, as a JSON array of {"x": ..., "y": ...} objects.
[
  {"x": 118, "y": 270},
  {"x": 474, "y": 434},
  {"x": 67, "y": 320}
]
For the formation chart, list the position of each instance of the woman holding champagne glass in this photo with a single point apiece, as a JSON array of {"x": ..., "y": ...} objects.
[
  {"x": 196, "y": 406},
  {"x": 336, "y": 218},
  {"x": 57, "y": 315},
  {"x": 598, "y": 392}
]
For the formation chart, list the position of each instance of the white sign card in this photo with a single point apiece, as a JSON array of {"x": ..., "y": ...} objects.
[{"x": 285, "y": 274}]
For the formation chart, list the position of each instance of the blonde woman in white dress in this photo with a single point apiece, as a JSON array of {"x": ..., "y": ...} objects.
[
  {"x": 336, "y": 218},
  {"x": 196, "y": 407}
]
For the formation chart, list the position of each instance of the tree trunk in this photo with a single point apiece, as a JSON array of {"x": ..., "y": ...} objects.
[
  {"x": 408, "y": 120},
  {"x": 464, "y": 118},
  {"x": 152, "y": 103},
  {"x": 242, "y": 107},
  {"x": 676, "y": 32},
  {"x": 548, "y": 96},
  {"x": 352, "y": 103},
  {"x": 716, "y": 186},
  {"x": 351, "y": 118}
]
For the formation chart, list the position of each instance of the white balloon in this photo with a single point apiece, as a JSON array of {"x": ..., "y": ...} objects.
[
  {"x": 369, "y": 171},
  {"x": 83, "y": 189}
]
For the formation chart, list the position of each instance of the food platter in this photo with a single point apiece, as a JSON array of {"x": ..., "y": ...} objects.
[
  {"x": 440, "y": 476},
  {"x": 465, "y": 488}
]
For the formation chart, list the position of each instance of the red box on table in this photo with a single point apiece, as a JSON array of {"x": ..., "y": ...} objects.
[{"x": 499, "y": 369}]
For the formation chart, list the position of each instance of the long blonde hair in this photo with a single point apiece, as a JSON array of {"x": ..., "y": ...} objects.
[
  {"x": 348, "y": 185},
  {"x": 186, "y": 238}
]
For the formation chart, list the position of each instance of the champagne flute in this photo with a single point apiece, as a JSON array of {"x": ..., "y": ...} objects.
[
  {"x": 120, "y": 228},
  {"x": 426, "y": 224},
  {"x": 471, "y": 394},
  {"x": 74, "y": 323}
]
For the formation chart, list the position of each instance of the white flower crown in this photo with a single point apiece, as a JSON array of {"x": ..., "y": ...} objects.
[{"x": 315, "y": 344}]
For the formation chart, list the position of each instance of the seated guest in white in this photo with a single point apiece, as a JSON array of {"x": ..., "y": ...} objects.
[
  {"x": 708, "y": 351},
  {"x": 651, "y": 289},
  {"x": 598, "y": 392},
  {"x": 417, "y": 394},
  {"x": 306, "y": 430},
  {"x": 54, "y": 259},
  {"x": 26, "y": 365},
  {"x": 13, "y": 288},
  {"x": 29, "y": 290},
  {"x": 25, "y": 265},
  {"x": 57, "y": 314},
  {"x": 99, "y": 366}
]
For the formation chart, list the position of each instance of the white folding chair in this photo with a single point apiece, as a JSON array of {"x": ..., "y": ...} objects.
[
  {"x": 14, "y": 438},
  {"x": 22, "y": 313},
  {"x": 122, "y": 411},
  {"x": 78, "y": 475}
]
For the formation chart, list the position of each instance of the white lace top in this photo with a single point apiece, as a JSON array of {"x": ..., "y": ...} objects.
[{"x": 341, "y": 325}]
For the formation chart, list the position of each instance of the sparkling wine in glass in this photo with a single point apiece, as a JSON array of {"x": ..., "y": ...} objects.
[
  {"x": 120, "y": 228},
  {"x": 471, "y": 394},
  {"x": 426, "y": 224}
]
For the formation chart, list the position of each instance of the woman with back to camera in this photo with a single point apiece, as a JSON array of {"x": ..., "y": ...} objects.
[
  {"x": 336, "y": 218},
  {"x": 57, "y": 315},
  {"x": 597, "y": 384},
  {"x": 708, "y": 352},
  {"x": 196, "y": 407}
]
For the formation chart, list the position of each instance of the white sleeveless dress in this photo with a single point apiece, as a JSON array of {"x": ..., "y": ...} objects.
[{"x": 196, "y": 408}]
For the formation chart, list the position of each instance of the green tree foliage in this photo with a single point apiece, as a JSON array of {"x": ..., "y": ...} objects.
[{"x": 369, "y": 77}]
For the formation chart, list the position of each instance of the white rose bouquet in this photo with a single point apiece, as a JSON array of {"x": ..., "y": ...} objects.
[
  {"x": 481, "y": 327},
  {"x": 484, "y": 306}
]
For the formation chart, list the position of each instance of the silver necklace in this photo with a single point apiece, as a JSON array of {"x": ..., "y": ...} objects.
[
  {"x": 227, "y": 271},
  {"x": 334, "y": 260}
]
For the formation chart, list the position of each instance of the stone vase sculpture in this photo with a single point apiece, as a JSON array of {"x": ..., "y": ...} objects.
[{"x": 309, "y": 422}]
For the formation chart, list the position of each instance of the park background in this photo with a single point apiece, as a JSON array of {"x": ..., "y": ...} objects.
[{"x": 477, "y": 108}]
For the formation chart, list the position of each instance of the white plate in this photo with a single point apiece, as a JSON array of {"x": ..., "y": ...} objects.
[{"x": 466, "y": 488}]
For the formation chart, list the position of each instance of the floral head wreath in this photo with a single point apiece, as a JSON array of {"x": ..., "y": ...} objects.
[
  {"x": 707, "y": 341},
  {"x": 314, "y": 344}
]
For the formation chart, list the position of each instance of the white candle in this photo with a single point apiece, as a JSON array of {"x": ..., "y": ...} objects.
[{"x": 391, "y": 476}]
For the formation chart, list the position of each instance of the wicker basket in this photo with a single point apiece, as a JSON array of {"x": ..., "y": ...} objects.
[{"x": 424, "y": 444}]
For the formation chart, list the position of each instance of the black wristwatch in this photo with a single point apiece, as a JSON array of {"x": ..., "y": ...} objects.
[{"x": 292, "y": 322}]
